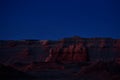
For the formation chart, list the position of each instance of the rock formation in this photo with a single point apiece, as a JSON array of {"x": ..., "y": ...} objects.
[
  {"x": 73, "y": 58},
  {"x": 67, "y": 50},
  {"x": 69, "y": 54}
]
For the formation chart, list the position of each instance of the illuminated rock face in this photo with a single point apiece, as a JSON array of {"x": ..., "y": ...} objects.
[
  {"x": 67, "y": 50},
  {"x": 72, "y": 53},
  {"x": 77, "y": 49}
]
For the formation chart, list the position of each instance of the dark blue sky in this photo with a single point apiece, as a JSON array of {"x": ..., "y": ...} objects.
[{"x": 55, "y": 19}]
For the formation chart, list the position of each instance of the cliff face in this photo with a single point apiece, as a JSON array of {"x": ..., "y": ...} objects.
[
  {"x": 67, "y": 50},
  {"x": 68, "y": 54},
  {"x": 78, "y": 49}
]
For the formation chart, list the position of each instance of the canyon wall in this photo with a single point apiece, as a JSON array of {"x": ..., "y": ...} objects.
[{"x": 66, "y": 50}]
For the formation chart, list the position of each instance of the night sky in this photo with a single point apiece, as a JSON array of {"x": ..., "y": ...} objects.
[{"x": 56, "y": 19}]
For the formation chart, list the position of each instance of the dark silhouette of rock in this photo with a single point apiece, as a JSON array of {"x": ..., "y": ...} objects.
[
  {"x": 12, "y": 43},
  {"x": 7, "y": 72},
  {"x": 100, "y": 70},
  {"x": 40, "y": 66}
]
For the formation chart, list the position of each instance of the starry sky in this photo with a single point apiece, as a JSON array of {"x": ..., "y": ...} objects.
[{"x": 56, "y": 19}]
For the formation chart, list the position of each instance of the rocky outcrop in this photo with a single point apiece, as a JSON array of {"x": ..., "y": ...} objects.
[
  {"x": 69, "y": 54},
  {"x": 78, "y": 49},
  {"x": 68, "y": 50},
  {"x": 73, "y": 58}
]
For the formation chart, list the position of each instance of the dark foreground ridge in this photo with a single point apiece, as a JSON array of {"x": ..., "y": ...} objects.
[{"x": 72, "y": 58}]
